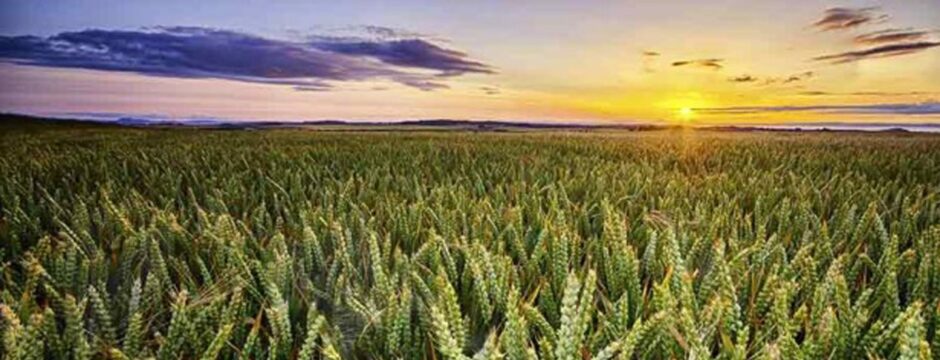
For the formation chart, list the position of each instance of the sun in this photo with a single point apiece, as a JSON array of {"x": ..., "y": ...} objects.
[
  {"x": 685, "y": 114},
  {"x": 683, "y": 108}
]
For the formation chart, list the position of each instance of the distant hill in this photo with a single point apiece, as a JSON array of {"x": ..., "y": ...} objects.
[{"x": 26, "y": 121}]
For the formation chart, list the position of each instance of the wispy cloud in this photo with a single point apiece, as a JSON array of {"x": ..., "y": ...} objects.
[
  {"x": 361, "y": 33},
  {"x": 742, "y": 79},
  {"x": 926, "y": 108},
  {"x": 881, "y": 43},
  {"x": 890, "y": 36},
  {"x": 715, "y": 64},
  {"x": 878, "y": 52},
  {"x": 489, "y": 90},
  {"x": 868, "y": 93},
  {"x": 195, "y": 52},
  {"x": 649, "y": 58},
  {"x": 414, "y": 53},
  {"x": 840, "y": 18},
  {"x": 773, "y": 80},
  {"x": 313, "y": 87},
  {"x": 387, "y": 33},
  {"x": 798, "y": 77}
]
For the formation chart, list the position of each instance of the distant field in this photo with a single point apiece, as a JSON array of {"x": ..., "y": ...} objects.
[{"x": 181, "y": 243}]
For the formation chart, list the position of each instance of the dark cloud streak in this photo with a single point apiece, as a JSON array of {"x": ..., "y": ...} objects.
[
  {"x": 868, "y": 93},
  {"x": 742, "y": 79},
  {"x": 415, "y": 53},
  {"x": 878, "y": 52},
  {"x": 195, "y": 52},
  {"x": 882, "y": 43},
  {"x": 926, "y": 108},
  {"x": 773, "y": 80},
  {"x": 714, "y": 64},
  {"x": 890, "y": 36},
  {"x": 847, "y": 18},
  {"x": 799, "y": 77}
]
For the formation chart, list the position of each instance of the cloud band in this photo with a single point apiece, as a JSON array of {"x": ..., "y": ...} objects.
[{"x": 195, "y": 52}]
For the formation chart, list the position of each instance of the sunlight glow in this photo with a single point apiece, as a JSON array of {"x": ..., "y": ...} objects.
[{"x": 685, "y": 114}]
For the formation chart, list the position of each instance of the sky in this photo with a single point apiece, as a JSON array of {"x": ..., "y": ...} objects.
[{"x": 678, "y": 61}]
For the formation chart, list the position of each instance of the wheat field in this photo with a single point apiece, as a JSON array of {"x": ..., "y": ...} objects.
[{"x": 290, "y": 244}]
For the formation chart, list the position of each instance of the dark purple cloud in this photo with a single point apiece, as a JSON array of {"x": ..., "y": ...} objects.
[
  {"x": 194, "y": 52},
  {"x": 878, "y": 52},
  {"x": 890, "y": 36},
  {"x": 714, "y": 64},
  {"x": 839, "y": 18},
  {"x": 882, "y": 43},
  {"x": 413, "y": 53},
  {"x": 926, "y": 108}
]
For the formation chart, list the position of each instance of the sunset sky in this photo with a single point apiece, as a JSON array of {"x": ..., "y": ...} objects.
[{"x": 699, "y": 62}]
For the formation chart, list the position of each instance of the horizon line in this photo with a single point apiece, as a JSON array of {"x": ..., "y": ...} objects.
[{"x": 146, "y": 120}]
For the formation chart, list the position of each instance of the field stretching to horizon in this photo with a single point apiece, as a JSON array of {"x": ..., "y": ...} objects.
[{"x": 126, "y": 243}]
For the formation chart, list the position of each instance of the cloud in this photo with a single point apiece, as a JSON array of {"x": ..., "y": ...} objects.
[
  {"x": 816, "y": 93},
  {"x": 742, "y": 79},
  {"x": 489, "y": 90},
  {"x": 890, "y": 36},
  {"x": 704, "y": 63},
  {"x": 773, "y": 80},
  {"x": 798, "y": 77},
  {"x": 196, "y": 52},
  {"x": 649, "y": 60},
  {"x": 846, "y": 18},
  {"x": 361, "y": 33},
  {"x": 881, "y": 43},
  {"x": 313, "y": 88},
  {"x": 926, "y": 108},
  {"x": 868, "y": 93},
  {"x": 413, "y": 53},
  {"x": 878, "y": 52},
  {"x": 384, "y": 32}
]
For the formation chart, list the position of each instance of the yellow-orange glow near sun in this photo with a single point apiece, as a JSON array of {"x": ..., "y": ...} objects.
[{"x": 685, "y": 114}]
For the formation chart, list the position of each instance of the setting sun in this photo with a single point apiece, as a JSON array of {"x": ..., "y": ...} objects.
[{"x": 685, "y": 114}]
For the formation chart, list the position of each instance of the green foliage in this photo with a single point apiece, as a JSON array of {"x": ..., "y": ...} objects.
[{"x": 286, "y": 244}]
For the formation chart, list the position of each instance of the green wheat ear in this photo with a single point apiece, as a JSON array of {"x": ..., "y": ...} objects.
[
  {"x": 102, "y": 316},
  {"x": 177, "y": 332},
  {"x": 444, "y": 338},
  {"x": 515, "y": 334},
  {"x": 576, "y": 309},
  {"x": 315, "y": 324},
  {"x": 217, "y": 344}
]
